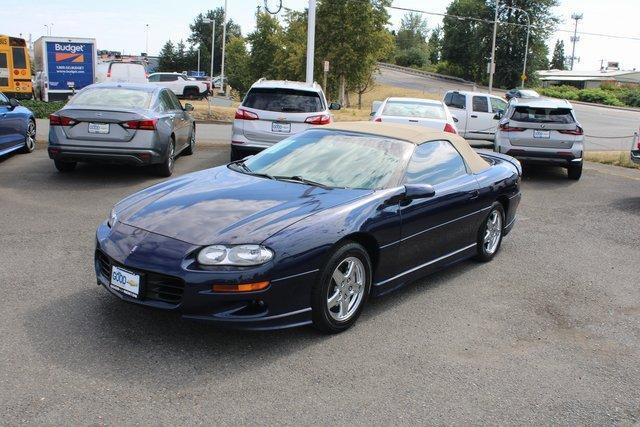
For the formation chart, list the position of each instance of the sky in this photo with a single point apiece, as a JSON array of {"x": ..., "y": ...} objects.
[{"x": 121, "y": 24}]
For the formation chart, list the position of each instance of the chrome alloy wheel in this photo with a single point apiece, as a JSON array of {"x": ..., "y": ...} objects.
[
  {"x": 493, "y": 232},
  {"x": 346, "y": 290},
  {"x": 30, "y": 140},
  {"x": 172, "y": 155}
]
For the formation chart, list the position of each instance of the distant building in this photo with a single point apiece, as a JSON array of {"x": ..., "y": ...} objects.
[{"x": 589, "y": 79}]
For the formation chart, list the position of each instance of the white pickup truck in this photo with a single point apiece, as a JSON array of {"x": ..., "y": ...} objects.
[
  {"x": 180, "y": 85},
  {"x": 476, "y": 113}
]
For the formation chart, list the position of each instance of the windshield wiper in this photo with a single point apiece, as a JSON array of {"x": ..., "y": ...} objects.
[
  {"x": 248, "y": 171},
  {"x": 298, "y": 178}
]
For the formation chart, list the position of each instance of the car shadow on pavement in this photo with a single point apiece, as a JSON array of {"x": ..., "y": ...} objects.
[
  {"x": 546, "y": 174},
  {"x": 630, "y": 205},
  {"x": 93, "y": 333}
]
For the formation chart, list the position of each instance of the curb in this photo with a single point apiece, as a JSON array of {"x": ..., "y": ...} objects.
[
  {"x": 213, "y": 122},
  {"x": 611, "y": 107}
]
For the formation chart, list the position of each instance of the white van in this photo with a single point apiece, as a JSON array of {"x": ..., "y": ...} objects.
[{"x": 118, "y": 71}]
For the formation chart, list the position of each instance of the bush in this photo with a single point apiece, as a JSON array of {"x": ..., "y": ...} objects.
[
  {"x": 414, "y": 57},
  {"x": 599, "y": 96},
  {"x": 631, "y": 97},
  {"x": 40, "y": 109}
]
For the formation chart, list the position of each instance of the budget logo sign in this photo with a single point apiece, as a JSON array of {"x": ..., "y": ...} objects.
[{"x": 69, "y": 63}]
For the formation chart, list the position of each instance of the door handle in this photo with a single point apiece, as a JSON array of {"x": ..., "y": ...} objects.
[
  {"x": 473, "y": 194},
  {"x": 474, "y": 116}
]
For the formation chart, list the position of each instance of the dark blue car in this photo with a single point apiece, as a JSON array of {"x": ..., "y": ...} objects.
[
  {"x": 17, "y": 127},
  {"x": 304, "y": 232}
]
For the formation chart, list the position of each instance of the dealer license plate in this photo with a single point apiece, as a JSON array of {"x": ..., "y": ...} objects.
[
  {"x": 125, "y": 281},
  {"x": 279, "y": 127},
  {"x": 98, "y": 127},
  {"x": 541, "y": 134}
]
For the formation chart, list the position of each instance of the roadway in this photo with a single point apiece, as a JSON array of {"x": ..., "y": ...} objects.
[
  {"x": 603, "y": 126},
  {"x": 545, "y": 334}
]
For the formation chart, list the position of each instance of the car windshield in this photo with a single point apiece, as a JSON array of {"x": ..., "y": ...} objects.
[
  {"x": 543, "y": 115},
  {"x": 334, "y": 159},
  {"x": 283, "y": 100},
  {"x": 414, "y": 109},
  {"x": 112, "y": 97}
]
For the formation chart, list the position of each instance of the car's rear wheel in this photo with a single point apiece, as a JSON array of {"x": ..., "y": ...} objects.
[
  {"x": 490, "y": 233},
  {"x": 191, "y": 93},
  {"x": 339, "y": 295},
  {"x": 30, "y": 138},
  {"x": 63, "y": 166},
  {"x": 574, "y": 171},
  {"x": 166, "y": 168},
  {"x": 192, "y": 142}
]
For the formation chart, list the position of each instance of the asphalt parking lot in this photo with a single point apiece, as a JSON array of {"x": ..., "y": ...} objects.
[{"x": 547, "y": 333}]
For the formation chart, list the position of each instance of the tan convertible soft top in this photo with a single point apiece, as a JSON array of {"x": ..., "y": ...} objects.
[{"x": 415, "y": 135}]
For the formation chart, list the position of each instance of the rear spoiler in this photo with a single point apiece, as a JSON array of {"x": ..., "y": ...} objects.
[{"x": 492, "y": 154}]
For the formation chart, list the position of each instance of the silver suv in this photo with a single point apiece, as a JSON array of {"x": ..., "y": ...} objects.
[
  {"x": 273, "y": 110},
  {"x": 542, "y": 130}
]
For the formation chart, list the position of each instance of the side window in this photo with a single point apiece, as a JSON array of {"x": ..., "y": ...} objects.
[
  {"x": 175, "y": 103},
  {"x": 456, "y": 100},
  {"x": 168, "y": 77},
  {"x": 3, "y": 99},
  {"x": 154, "y": 78},
  {"x": 164, "y": 102},
  {"x": 434, "y": 162},
  {"x": 498, "y": 104},
  {"x": 480, "y": 104}
]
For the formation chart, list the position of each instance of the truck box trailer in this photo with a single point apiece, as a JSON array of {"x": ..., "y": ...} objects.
[{"x": 63, "y": 66}]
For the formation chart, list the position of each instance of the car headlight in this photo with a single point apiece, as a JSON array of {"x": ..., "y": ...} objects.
[
  {"x": 113, "y": 218},
  {"x": 234, "y": 255}
]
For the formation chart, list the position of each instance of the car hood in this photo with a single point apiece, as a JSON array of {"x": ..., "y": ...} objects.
[{"x": 222, "y": 206}]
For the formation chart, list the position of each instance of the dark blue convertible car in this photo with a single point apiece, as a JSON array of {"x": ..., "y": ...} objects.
[
  {"x": 307, "y": 230},
  {"x": 17, "y": 127}
]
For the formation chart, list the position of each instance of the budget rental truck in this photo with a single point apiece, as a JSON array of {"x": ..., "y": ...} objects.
[{"x": 63, "y": 66}]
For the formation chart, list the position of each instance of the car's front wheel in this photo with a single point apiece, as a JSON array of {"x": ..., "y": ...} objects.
[
  {"x": 192, "y": 142},
  {"x": 30, "y": 138},
  {"x": 166, "y": 168},
  {"x": 490, "y": 233},
  {"x": 338, "y": 297}
]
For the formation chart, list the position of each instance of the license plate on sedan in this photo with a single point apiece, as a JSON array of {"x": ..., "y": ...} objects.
[
  {"x": 98, "y": 127},
  {"x": 125, "y": 281},
  {"x": 541, "y": 134},
  {"x": 278, "y": 127}
]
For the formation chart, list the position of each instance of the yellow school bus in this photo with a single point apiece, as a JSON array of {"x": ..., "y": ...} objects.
[{"x": 15, "y": 68}]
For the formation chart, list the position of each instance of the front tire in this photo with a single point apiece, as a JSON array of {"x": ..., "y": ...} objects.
[
  {"x": 574, "y": 172},
  {"x": 490, "y": 233},
  {"x": 165, "y": 169},
  {"x": 192, "y": 143},
  {"x": 343, "y": 286},
  {"x": 30, "y": 138}
]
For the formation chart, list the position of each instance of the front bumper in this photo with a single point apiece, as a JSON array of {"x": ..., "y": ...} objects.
[{"x": 170, "y": 282}]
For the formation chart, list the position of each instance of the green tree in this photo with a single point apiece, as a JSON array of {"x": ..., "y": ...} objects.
[
  {"x": 266, "y": 45},
  {"x": 352, "y": 36},
  {"x": 167, "y": 57},
  {"x": 413, "y": 31},
  {"x": 558, "y": 58},
  {"x": 239, "y": 75},
  {"x": 291, "y": 59},
  {"x": 434, "y": 45},
  {"x": 201, "y": 37}
]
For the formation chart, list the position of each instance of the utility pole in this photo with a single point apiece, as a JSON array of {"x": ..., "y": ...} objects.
[
  {"x": 575, "y": 38},
  {"x": 311, "y": 40},
  {"x": 224, "y": 42},
  {"x": 198, "y": 59},
  {"x": 492, "y": 65},
  {"x": 213, "y": 45},
  {"x": 146, "y": 48}
]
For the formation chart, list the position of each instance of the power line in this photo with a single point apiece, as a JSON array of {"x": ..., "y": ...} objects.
[{"x": 490, "y": 21}]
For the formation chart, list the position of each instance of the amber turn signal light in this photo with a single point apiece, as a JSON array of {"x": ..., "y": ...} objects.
[{"x": 243, "y": 287}]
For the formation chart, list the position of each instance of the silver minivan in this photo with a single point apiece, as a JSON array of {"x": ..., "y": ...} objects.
[
  {"x": 543, "y": 131},
  {"x": 273, "y": 110}
]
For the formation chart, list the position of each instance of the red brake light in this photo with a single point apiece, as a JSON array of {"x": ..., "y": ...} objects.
[
  {"x": 55, "y": 120},
  {"x": 378, "y": 119},
  {"x": 505, "y": 127},
  {"x": 449, "y": 128},
  {"x": 245, "y": 115},
  {"x": 141, "y": 124},
  {"x": 323, "y": 119},
  {"x": 577, "y": 131}
]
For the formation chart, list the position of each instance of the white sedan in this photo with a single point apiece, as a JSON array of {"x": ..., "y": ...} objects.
[{"x": 422, "y": 112}]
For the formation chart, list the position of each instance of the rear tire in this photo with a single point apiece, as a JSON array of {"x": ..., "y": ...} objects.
[
  {"x": 191, "y": 93},
  {"x": 29, "y": 138},
  {"x": 574, "y": 172},
  {"x": 490, "y": 233},
  {"x": 65, "y": 167},
  {"x": 342, "y": 288},
  {"x": 165, "y": 169},
  {"x": 192, "y": 142}
]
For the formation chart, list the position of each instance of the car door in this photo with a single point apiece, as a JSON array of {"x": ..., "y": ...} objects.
[
  {"x": 438, "y": 226},
  {"x": 481, "y": 123},
  {"x": 10, "y": 125},
  {"x": 181, "y": 120},
  {"x": 457, "y": 103},
  {"x": 167, "y": 109}
]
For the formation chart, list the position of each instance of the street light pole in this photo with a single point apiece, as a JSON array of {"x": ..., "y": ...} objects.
[
  {"x": 575, "y": 38},
  {"x": 198, "y": 59},
  {"x": 213, "y": 45},
  {"x": 492, "y": 65},
  {"x": 311, "y": 39},
  {"x": 224, "y": 42},
  {"x": 146, "y": 46}
]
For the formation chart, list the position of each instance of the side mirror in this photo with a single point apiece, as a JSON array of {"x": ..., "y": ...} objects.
[
  {"x": 419, "y": 191},
  {"x": 374, "y": 106},
  {"x": 335, "y": 106},
  {"x": 13, "y": 103},
  {"x": 498, "y": 115},
  {"x": 188, "y": 107}
]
